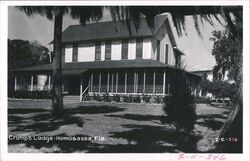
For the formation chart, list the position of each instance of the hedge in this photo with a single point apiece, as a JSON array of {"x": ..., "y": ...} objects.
[{"x": 30, "y": 94}]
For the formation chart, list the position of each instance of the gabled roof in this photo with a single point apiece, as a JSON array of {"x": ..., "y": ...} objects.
[{"x": 109, "y": 30}]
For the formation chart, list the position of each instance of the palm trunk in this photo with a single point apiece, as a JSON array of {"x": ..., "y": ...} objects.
[{"x": 57, "y": 101}]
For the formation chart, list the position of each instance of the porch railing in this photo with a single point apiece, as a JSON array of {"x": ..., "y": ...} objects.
[{"x": 128, "y": 89}]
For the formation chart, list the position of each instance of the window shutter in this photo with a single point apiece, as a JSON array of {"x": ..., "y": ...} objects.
[
  {"x": 75, "y": 52},
  {"x": 139, "y": 48}
]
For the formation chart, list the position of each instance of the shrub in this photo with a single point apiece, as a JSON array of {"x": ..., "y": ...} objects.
[
  {"x": 87, "y": 97},
  {"x": 106, "y": 97},
  {"x": 116, "y": 98},
  {"x": 30, "y": 94},
  {"x": 158, "y": 99},
  {"x": 180, "y": 106},
  {"x": 146, "y": 98},
  {"x": 97, "y": 97},
  {"x": 128, "y": 99},
  {"x": 202, "y": 100},
  {"x": 137, "y": 99}
]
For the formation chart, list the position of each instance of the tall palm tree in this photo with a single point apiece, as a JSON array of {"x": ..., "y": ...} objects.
[{"x": 56, "y": 13}]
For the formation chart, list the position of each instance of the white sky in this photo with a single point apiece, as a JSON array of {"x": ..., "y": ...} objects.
[{"x": 197, "y": 50}]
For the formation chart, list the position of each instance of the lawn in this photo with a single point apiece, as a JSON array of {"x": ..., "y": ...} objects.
[{"x": 105, "y": 128}]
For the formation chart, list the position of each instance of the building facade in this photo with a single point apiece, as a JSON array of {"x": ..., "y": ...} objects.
[{"x": 109, "y": 58}]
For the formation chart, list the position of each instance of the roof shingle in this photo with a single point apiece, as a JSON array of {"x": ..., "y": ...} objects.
[{"x": 109, "y": 30}]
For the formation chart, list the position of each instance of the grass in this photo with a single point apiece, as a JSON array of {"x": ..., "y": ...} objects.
[{"x": 123, "y": 128}]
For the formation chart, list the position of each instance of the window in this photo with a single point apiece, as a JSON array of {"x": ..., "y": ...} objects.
[
  {"x": 75, "y": 52},
  {"x": 108, "y": 50},
  {"x": 158, "y": 50},
  {"x": 166, "y": 54},
  {"x": 125, "y": 49},
  {"x": 98, "y": 51},
  {"x": 177, "y": 60},
  {"x": 139, "y": 48}
]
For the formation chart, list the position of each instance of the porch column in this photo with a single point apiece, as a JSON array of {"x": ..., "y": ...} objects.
[
  {"x": 154, "y": 83},
  {"x": 112, "y": 83},
  {"x": 31, "y": 83},
  {"x": 135, "y": 82},
  {"x": 81, "y": 86},
  {"x": 108, "y": 83},
  {"x": 116, "y": 87},
  {"x": 91, "y": 82},
  {"x": 126, "y": 82},
  {"x": 144, "y": 81},
  {"x": 164, "y": 82},
  {"x": 15, "y": 88},
  {"x": 100, "y": 79},
  {"x": 49, "y": 82}
]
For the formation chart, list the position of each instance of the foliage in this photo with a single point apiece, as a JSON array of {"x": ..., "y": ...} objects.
[
  {"x": 158, "y": 99},
  {"x": 205, "y": 86},
  {"x": 97, "y": 97},
  {"x": 106, "y": 97},
  {"x": 202, "y": 100},
  {"x": 22, "y": 53},
  {"x": 180, "y": 106},
  {"x": 228, "y": 54},
  {"x": 222, "y": 89},
  {"x": 146, "y": 98},
  {"x": 30, "y": 94},
  {"x": 116, "y": 98}
]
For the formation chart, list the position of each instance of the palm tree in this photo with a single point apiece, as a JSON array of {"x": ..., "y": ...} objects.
[{"x": 56, "y": 13}]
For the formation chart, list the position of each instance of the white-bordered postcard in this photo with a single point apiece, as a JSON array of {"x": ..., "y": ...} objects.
[{"x": 124, "y": 80}]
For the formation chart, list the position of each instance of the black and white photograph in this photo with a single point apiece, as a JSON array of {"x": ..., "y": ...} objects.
[{"x": 122, "y": 79}]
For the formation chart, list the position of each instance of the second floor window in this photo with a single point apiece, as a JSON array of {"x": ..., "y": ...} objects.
[
  {"x": 139, "y": 48},
  {"x": 177, "y": 60},
  {"x": 108, "y": 50},
  {"x": 75, "y": 52},
  {"x": 158, "y": 50},
  {"x": 166, "y": 54},
  {"x": 125, "y": 49},
  {"x": 98, "y": 51}
]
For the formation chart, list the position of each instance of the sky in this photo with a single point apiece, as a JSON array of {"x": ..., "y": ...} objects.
[{"x": 197, "y": 50}]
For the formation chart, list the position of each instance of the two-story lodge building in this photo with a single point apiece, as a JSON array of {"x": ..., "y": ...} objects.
[{"x": 106, "y": 58}]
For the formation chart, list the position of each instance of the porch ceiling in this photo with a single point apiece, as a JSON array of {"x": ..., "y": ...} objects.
[{"x": 73, "y": 72}]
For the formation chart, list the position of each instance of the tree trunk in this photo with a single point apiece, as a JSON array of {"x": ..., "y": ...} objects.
[
  {"x": 233, "y": 126},
  {"x": 57, "y": 101}
]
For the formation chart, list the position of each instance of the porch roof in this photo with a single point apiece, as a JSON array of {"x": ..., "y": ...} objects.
[
  {"x": 76, "y": 68},
  {"x": 79, "y": 66}
]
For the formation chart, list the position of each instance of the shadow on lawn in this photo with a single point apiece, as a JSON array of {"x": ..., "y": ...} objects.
[
  {"x": 41, "y": 120},
  {"x": 140, "y": 138},
  {"x": 213, "y": 121},
  {"x": 138, "y": 117}
]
